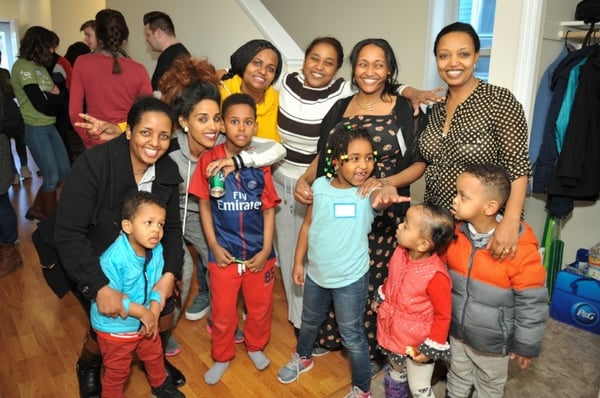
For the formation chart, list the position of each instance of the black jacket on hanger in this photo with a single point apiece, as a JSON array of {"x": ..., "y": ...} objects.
[{"x": 577, "y": 172}]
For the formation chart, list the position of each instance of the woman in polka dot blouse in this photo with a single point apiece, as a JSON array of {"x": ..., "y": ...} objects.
[{"x": 478, "y": 123}]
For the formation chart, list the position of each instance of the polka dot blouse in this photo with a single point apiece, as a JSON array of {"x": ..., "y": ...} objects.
[{"x": 488, "y": 127}]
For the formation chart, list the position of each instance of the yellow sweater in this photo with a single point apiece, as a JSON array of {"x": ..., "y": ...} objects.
[{"x": 266, "y": 111}]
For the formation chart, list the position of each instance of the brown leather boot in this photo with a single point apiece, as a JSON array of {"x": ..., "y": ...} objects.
[
  {"x": 11, "y": 259},
  {"x": 49, "y": 203},
  {"x": 42, "y": 206},
  {"x": 36, "y": 211}
]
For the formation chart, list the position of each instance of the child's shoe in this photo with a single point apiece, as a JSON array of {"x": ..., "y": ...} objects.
[
  {"x": 319, "y": 351},
  {"x": 167, "y": 390},
  {"x": 291, "y": 371},
  {"x": 356, "y": 392},
  {"x": 395, "y": 388},
  {"x": 172, "y": 348}
]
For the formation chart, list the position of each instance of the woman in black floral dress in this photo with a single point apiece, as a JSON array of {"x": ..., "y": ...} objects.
[{"x": 395, "y": 130}]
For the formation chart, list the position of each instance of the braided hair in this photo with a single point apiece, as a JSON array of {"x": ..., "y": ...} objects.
[
  {"x": 112, "y": 32},
  {"x": 337, "y": 146},
  {"x": 242, "y": 56}
]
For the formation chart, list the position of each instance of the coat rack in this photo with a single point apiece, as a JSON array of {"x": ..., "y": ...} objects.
[{"x": 581, "y": 30}]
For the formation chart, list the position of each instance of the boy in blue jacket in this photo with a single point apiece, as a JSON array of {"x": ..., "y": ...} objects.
[{"x": 133, "y": 264}]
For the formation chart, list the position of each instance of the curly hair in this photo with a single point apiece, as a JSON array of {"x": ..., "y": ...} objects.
[
  {"x": 133, "y": 202},
  {"x": 112, "y": 32},
  {"x": 184, "y": 71},
  {"x": 494, "y": 179},
  {"x": 35, "y": 45},
  {"x": 242, "y": 56}
]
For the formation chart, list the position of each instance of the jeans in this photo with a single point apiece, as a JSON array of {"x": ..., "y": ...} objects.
[
  {"x": 349, "y": 305},
  {"x": 49, "y": 153},
  {"x": 8, "y": 220},
  {"x": 21, "y": 150},
  {"x": 193, "y": 234}
]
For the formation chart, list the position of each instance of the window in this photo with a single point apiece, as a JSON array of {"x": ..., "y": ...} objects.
[
  {"x": 8, "y": 43},
  {"x": 480, "y": 14}
]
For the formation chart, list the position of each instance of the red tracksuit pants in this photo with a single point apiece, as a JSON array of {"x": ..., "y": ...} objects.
[{"x": 257, "y": 289}]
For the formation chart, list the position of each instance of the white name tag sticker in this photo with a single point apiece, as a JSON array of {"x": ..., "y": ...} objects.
[{"x": 344, "y": 210}]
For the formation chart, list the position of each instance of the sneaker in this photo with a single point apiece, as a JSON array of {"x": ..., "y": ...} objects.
[
  {"x": 291, "y": 371},
  {"x": 356, "y": 392},
  {"x": 319, "y": 351},
  {"x": 238, "y": 337},
  {"x": 26, "y": 173},
  {"x": 198, "y": 309},
  {"x": 166, "y": 390},
  {"x": 173, "y": 348}
]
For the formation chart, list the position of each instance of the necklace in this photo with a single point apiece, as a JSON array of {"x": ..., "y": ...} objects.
[{"x": 368, "y": 106}]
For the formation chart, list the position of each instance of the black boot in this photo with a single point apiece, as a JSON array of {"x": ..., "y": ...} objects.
[
  {"x": 88, "y": 367},
  {"x": 174, "y": 374},
  {"x": 88, "y": 375},
  {"x": 167, "y": 390},
  {"x": 165, "y": 323}
]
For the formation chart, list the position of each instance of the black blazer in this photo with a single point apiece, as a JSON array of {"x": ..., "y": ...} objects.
[{"x": 88, "y": 215}]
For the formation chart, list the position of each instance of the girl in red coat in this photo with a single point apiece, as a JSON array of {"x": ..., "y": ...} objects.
[{"x": 414, "y": 304}]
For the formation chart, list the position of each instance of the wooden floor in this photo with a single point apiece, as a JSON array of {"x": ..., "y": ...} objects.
[{"x": 41, "y": 336}]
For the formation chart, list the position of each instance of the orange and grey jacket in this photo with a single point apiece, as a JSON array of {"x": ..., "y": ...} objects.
[{"x": 498, "y": 307}]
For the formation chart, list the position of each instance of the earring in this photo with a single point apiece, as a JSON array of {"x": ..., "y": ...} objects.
[{"x": 186, "y": 129}]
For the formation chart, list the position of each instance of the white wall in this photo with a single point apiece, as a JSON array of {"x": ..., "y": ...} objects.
[
  {"x": 209, "y": 29},
  {"x": 401, "y": 22},
  {"x": 63, "y": 17}
]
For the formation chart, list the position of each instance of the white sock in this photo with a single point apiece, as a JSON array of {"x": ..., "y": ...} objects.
[
  {"x": 260, "y": 359},
  {"x": 215, "y": 373}
]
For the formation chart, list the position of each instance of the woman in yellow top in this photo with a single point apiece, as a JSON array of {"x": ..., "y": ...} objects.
[{"x": 254, "y": 68}]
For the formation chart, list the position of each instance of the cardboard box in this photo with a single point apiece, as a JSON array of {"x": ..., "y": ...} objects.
[{"x": 576, "y": 301}]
